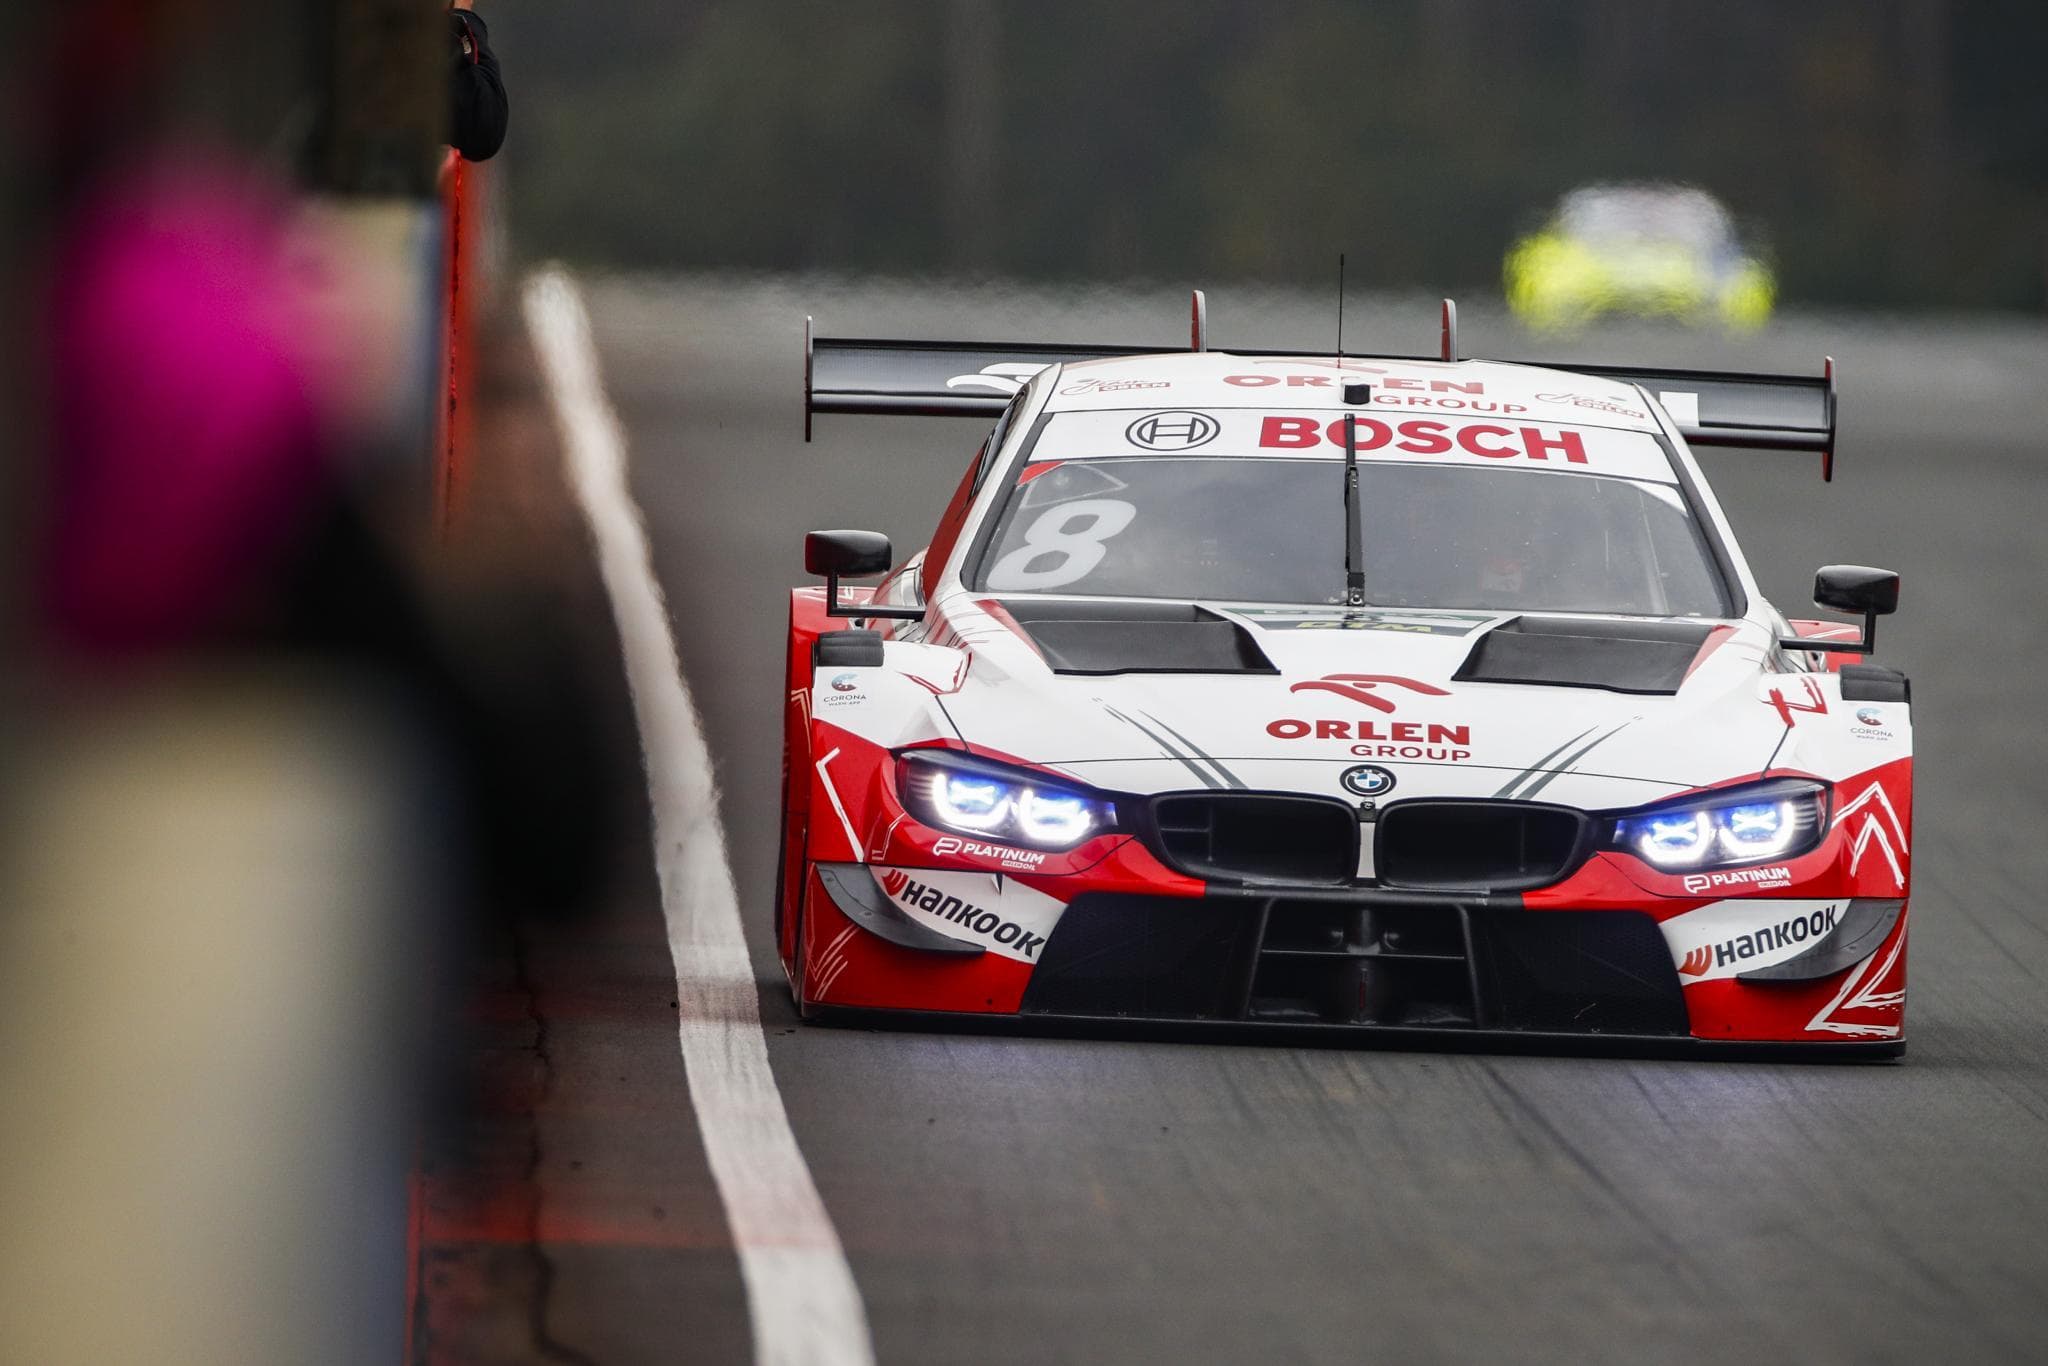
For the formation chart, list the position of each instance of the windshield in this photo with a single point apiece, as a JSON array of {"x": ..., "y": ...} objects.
[{"x": 1271, "y": 530}]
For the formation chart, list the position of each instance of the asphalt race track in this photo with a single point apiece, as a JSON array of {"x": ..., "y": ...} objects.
[{"x": 1033, "y": 1200}]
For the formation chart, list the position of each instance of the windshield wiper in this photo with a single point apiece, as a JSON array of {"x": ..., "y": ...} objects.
[{"x": 1354, "y": 539}]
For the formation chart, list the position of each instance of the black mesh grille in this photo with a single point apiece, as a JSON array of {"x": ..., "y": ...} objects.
[
  {"x": 1256, "y": 837},
  {"x": 1478, "y": 844},
  {"x": 1338, "y": 960}
]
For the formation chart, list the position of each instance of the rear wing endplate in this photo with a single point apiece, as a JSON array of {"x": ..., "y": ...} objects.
[
  {"x": 978, "y": 379},
  {"x": 928, "y": 379}
]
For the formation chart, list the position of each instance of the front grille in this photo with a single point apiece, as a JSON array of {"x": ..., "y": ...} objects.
[
  {"x": 1348, "y": 960},
  {"x": 1256, "y": 837},
  {"x": 1459, "y": 844},
  {"x": 1479, "y": 844}
]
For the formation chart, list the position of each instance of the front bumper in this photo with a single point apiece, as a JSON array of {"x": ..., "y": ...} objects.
[{"x": 1342, "y": 963}]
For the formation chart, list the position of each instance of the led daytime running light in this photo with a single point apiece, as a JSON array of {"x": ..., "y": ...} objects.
[
  {"x": 1019, "y": 809},
  {"x": 1781, "y": 820}
]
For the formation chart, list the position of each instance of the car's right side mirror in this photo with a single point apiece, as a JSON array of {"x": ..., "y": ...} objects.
[
  {"x": 1857, "y": 588},
  {"x": 846, "y": 554},
  {"x": 850, "y": 554}
]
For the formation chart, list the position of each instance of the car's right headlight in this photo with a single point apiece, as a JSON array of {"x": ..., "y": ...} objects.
[
  {"x": 1779, "y": 819},
  {"x": 948, "y": 790}
]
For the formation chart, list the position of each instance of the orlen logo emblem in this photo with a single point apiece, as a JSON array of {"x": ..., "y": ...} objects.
[
  {"x": 1359, "y": 688},
  {"x": 1172, "y": 431},
  {"x": 1367, "y": 780}
]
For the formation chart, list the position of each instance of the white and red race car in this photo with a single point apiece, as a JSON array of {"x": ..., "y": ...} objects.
[{"x": 1326, "y": 693}]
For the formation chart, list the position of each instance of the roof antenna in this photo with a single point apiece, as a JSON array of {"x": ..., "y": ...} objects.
[
  {"x": 1450, "y": 330},
  {"x": 1198, "y": 322},
  {"x": 1340, "y": 310}
]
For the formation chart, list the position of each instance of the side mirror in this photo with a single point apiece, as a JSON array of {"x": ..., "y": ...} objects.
[
  {"x": 846, "y": 554},
  {"x": 852, "y": 554},
  {"x": 1853, "y": 588}
]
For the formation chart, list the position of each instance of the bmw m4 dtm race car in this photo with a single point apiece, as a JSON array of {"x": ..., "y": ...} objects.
[{"x": 1324, "y": 693}]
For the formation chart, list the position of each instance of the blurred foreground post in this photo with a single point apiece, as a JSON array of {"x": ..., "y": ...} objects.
[{"x": 227, "y": 838}]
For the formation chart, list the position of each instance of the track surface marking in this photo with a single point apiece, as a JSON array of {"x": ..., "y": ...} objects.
[{"x": 801, "y": 1297}]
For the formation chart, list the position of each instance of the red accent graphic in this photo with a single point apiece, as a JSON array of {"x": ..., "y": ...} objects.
[
  {"x": 1698, "y": 961},
  {"x": 1716, "y": 638},
  {"x": 1820, "y": 632},
  {"x": 1873, "y": 822},
  {"x": 1358, "y": 687},
  {"x": 1816, "y": 703}
]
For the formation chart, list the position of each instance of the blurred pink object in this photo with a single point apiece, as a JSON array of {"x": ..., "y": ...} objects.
[{"x": 184, "y": 430}]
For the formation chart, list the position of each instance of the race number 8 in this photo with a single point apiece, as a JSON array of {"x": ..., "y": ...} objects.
[{"x": 1063, "y": 545}]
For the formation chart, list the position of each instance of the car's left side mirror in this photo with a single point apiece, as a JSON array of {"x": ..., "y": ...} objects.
[
  {"x": 1853, "y": 588},
  {"x": 851, "y": 554}
]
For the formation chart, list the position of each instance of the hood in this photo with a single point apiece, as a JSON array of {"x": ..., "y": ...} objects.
[{"x": 1449, "y": 703}]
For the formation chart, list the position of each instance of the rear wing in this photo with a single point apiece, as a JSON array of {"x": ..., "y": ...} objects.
[
  {"x": 1728, "y": 408},
  {"x": 978, "y": 379}
]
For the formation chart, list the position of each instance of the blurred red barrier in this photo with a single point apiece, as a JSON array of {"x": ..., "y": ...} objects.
[{"x": 462, "y": 194}]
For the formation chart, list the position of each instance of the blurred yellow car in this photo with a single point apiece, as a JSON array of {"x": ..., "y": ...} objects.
[{"x": 1651, "y": 251}]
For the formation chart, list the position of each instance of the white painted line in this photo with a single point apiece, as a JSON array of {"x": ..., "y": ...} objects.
[
  {"x": 801, "y": 1297},
  {"x": 852, "y": 840}
]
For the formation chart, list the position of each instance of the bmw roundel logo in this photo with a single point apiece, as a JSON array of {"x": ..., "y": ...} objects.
[
  {"x": 1368, "y": 780},
  {"x": 1172, "y": 431}
]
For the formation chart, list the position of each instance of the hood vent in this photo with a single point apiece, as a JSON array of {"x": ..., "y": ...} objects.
[
  {"x": 1577, "y": 652},
  {"x": 1137, "y": 638}
]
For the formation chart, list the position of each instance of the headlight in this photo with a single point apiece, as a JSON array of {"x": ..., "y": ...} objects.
[
  {"x": 1774, "y": 820},
  {"x": 952, "y": 791}
]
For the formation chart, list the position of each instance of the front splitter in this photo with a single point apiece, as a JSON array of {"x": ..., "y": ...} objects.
[{"x": 1401, "y": 1037}]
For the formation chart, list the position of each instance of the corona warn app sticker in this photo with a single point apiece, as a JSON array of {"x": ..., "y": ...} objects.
[
  {"x": 1383, "y": 431},
  {"x": 1003, "y": 916},
  {"x": 1731, "y": 937}
]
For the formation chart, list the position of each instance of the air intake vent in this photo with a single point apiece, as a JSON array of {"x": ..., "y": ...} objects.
[
  {"x": 1257, "y": 837},
  {"x": 1495, "y": 846}
]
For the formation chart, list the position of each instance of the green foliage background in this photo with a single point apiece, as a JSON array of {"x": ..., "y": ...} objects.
[{"x": 1890, "y": 152}]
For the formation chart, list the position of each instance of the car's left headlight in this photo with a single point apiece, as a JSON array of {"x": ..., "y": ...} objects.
[
  {"x": 1780, "y": 819},
  {"x": 952, "y": 791}
]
